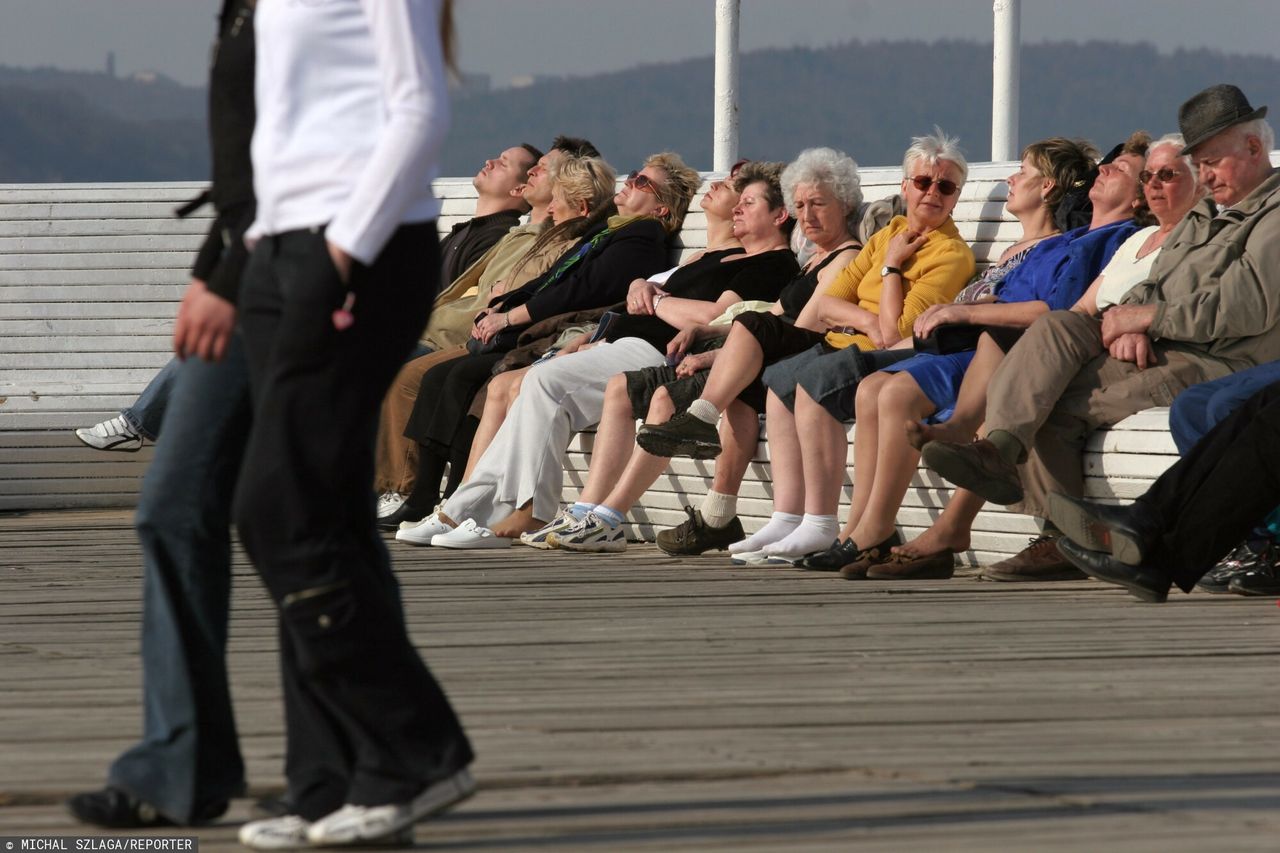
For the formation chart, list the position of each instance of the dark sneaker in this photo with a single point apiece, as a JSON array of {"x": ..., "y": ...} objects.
[
  {"x": 1244, "y": 557},
  {"x": 841, "y": 553},
  {"x": 1039, "y": 561},
  {"x": 1263, "y": 578},
  {"x": 694, "y": 536},
  {"x": 683, "y": 435}
]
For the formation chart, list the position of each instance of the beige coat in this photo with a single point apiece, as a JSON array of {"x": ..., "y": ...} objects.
[
  {"x": 1216, "y": 284},
  {"x": 456, "y": 309}
]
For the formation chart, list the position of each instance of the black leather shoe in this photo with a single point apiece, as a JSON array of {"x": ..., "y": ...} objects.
[
  {"x": 841, "y": 553},
  {"x": 113, "y": 808},
  {"x": 1142, "y": 583},
  {"x": 404, "y": 513},
  {"x": 1100, "y": 527}
]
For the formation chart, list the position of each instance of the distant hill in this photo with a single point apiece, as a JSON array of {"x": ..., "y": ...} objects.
[
  {"x": 867, "y": 98},
  {"x": 80, "y": 126}
]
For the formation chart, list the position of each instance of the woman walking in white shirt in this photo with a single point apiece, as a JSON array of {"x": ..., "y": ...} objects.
[{"x": 352, "y": 113}]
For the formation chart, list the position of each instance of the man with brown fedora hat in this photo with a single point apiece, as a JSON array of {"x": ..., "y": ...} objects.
[{"x": 1210, "y": 308}]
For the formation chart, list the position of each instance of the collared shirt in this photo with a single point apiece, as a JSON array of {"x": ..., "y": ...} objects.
[{"x": 352, "y": 114}]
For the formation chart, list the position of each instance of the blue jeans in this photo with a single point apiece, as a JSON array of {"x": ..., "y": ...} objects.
[
  {"x": 147, "y": 412},
  {"x": 1202, "y": 407},
  {"x": 188, "y": 760}
]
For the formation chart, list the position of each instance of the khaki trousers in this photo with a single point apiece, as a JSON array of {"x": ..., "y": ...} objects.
[
  {"x": 1058, "y": 384},
  {"x": 397, "y": 456}
]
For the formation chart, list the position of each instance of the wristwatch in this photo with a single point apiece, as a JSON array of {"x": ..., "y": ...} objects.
[{"x": 886, "y": 269}]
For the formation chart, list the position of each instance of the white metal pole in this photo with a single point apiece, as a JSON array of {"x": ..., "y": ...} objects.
[
  {"x": 725, "y": 132},
  {"x": 1004, "y": 80}
]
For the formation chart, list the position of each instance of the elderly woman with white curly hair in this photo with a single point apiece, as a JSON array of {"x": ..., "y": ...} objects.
[{"x": 821, "y": 189}]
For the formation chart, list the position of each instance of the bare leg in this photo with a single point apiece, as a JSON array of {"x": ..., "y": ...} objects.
[
  {"x": 951, "y": 530},
  {"x": 971, "y": 403},
  {"x": 520, "y": 521},
  {"x": 739, "y": 362},
  {"x": 739, "y": 437},
  {"x": 503, "y": 390},
  {"x": 866, "y": 447},
  {"x": 643, "y": 468},
  {"x": 615, "y": 441},
  {"x": 900, "y": 400},
  {"x": 825, "y": 451},
  {"x": 785, "y": 460}
]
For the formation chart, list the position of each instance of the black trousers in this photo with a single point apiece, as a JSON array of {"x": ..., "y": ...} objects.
[
  {"x": 1211, "y": 498},
  {"x": 444, "y": 398},
  {"x": 367, "y": 724}
]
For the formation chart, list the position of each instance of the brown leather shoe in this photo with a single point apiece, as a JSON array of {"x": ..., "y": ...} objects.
[
  {"x": 976, "y": 466},
  {"x": 868, "y": 557},
  {"x": 1039, "y": 561},
  {"x": 899, "y": 567}
]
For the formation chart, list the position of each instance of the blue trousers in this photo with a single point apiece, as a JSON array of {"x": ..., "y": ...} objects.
[
  {"x": 147, "y": 412},
  {"x": 1202, "y": 407},
  {"x": 189, "y": 758}
]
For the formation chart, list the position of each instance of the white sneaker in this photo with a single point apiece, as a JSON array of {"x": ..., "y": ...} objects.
[
  {"x": 593, "y": 534},
  {"x": 115, "y": 434},
  {"x": 276, "y": 833},
  {"x": 540, "y": 537},
  {"x": 750, "y": 558},
  {"x": 388, "y": 503},
  {"x": 386, "y": 824},
  {"x": 422, "y": 532},
  {"x": 470, "y": 536}
]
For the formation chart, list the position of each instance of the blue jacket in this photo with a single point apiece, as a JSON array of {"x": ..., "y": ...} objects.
[{"x": 1060, "y": 269}]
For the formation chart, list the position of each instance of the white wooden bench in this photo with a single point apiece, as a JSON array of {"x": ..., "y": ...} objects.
[{"x": 90, "y": 276}]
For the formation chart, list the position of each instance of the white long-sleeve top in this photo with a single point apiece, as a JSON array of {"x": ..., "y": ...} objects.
[{"x": 352, "y": 111}]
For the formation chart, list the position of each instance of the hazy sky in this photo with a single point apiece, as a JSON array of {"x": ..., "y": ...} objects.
[{"x": 504, "y": 38}]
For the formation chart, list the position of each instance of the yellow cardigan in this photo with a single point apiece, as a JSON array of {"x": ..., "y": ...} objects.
[{"x": 934, "y": 275}]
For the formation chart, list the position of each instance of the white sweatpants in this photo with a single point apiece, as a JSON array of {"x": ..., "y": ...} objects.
[{"x": 525, "y": 461}]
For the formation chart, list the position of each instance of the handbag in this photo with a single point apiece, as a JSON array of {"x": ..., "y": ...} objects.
[{"x": 950, "y": 338}]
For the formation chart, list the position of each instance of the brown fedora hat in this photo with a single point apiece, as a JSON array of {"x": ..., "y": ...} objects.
[{"x": 1212, "y": 111}]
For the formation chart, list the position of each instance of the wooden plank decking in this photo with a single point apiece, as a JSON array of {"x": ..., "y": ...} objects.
[{"x": 638, "y": 702}]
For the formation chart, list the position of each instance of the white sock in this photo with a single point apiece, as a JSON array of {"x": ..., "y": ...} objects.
[
  {"x": 718, "y": 509},
  {"x": 814, "y": 533},
  {"x": 704, "y": 411},
  {"x": 778, "y": 526}
]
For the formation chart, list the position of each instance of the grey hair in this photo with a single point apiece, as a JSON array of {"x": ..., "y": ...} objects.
[
  {"x": 934, "y": 147},
  {"x": 826, "y": 169},
  {"x": 1178, "y": 142},
  {"x": 1261, "y": 129}
]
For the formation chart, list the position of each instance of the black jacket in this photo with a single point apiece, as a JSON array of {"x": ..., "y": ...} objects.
[
  {"x": 637, "y": 250},
  {"x": 222, "y": 258}
]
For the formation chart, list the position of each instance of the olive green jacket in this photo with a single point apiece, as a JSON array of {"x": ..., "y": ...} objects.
[{"x": 1216, "y": 284}]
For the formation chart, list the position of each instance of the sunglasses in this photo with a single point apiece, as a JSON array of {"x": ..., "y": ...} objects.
[
  {"x": 642, "y": 182},
  {"x": 945, "y": 187},
  {"x": 1165, "y": 175}
]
